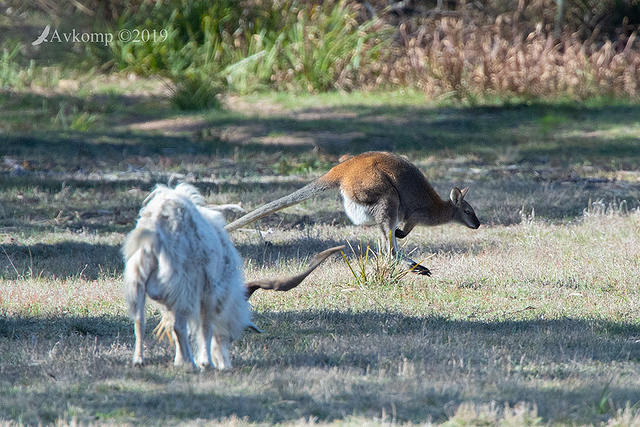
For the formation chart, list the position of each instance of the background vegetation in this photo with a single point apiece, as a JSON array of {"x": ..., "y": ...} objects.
[
  {"x": 469, "y": 51},
  {"x": 533, "y": 319}
]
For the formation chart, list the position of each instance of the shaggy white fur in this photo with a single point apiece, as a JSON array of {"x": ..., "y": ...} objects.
[{"x": 181, "y": 257}]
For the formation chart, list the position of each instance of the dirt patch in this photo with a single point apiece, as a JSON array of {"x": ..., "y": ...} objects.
[
  {"x": 325, "y": 114},
  {"x": 258, "y": 108},
  {"x": 171, "y": 126},
  {"x": 254, "y": 133},
  {"x": 310, "y": 138}
]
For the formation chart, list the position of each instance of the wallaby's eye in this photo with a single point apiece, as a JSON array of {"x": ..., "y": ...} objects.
[{"x": 467, "y": 211}]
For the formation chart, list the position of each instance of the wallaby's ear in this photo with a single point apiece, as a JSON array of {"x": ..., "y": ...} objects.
[
  {"x": 456, "y": 196},
  {"x": 464, "y": 191}
]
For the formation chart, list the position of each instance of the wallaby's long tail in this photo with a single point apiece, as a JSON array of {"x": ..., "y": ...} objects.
[
  {"x": 288, "y": 283},
  {"x": 306, "y": 192}
]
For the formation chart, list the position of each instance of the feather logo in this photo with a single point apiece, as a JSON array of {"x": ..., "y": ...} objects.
[{"x": 42, "y": 37}]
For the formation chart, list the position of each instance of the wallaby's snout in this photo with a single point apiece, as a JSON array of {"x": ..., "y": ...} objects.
[{"x": 469, "y": 217}]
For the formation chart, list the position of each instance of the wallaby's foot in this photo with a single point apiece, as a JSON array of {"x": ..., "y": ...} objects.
[
  {"x": 415, "y": 267},
  {"x": 419, "y": 269}
]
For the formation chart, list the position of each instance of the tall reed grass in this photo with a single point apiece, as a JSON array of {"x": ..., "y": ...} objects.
[
  {"x": 478, "y": 50},
  {"x": 467, "y": 60},
  {"x": 13, "y": 74}
]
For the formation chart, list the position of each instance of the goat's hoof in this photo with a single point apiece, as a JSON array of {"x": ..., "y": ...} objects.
[
  {"x": 418, "y": 269},
  {"x": 204, "y": 366},
  {"x": 137, "y": 363}
]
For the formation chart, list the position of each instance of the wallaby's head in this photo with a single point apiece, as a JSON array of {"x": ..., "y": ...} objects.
[{"x": 464, "y": 213}]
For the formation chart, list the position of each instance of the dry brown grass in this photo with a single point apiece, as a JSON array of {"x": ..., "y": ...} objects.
[
  {"x": 453, "y": 56},
  {"x": 517, "y": 327},
  {"x": 529, "y": 319}
]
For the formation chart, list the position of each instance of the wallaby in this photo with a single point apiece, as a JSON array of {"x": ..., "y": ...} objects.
[{"x": 381, "y": 188}]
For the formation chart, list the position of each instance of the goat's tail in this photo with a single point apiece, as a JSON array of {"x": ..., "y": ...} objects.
[
  {"x": 306, "y": 192},
  {"x": 288, "y": 283}
]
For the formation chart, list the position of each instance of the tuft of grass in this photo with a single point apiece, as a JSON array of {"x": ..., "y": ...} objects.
[
  {"x": 195, "y": 92},
  {"x": 14, "y": 75},
  {"x": 375, "y": 268},
  {"x": 604, "y": 404}
]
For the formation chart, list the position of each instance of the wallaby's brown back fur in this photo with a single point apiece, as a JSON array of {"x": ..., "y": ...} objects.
[{"x": 370, "y": 176}]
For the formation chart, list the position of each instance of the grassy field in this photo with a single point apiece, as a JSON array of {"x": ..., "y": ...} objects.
[{"x": 532, "y": 319}]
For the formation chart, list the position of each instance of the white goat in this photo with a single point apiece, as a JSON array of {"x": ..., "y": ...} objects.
[{"x": 180, "y": 255}]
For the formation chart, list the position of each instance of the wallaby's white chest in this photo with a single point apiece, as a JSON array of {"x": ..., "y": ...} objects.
[{"x": 358, "y": 213}]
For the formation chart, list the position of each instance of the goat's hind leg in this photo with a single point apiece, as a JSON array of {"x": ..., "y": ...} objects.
[
  {"x": 136, "y": 274},
  {"x": 139, "y": 326},
  {"x": 181, "y": 338},
  {"x": 220, "y": 352},
  {"x": 204, "y": 336}
]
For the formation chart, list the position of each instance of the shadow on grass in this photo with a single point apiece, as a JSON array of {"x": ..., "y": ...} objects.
[
  {"x": 537, "y": 133},
  {"x": 108, "y": 327},
  {"x": 534, "y": 129},
  {"x": 62, "y": 260},
  {"x": 107, "y": 206},
  {"x": 334, "y": 364},
  {"x": 71, "y": 259},
  {"x": 476, "y": 131}
]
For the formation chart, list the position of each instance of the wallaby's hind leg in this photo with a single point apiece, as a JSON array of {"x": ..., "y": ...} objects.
[
  {"x": 385, "y": 214},
  {"x": 387, "y": 218},
  {"x": 414, "y": 266}
]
